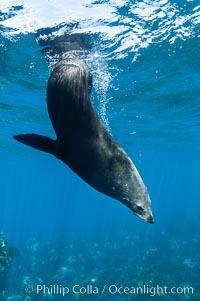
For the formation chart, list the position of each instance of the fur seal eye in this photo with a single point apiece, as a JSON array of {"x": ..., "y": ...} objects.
[{"x": 141, "y": 209}]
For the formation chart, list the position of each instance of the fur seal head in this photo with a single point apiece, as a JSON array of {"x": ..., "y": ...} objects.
[{"x": 84, "y": 144}]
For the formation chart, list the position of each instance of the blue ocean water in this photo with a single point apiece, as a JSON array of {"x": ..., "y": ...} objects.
[{"x": 145, "y": 61}]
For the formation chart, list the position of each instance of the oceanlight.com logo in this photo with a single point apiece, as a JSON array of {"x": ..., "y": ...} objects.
[{"x": 112, "y": 289}]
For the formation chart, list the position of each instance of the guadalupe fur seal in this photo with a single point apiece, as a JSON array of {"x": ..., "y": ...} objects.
[{"x": 84, "y": 144}]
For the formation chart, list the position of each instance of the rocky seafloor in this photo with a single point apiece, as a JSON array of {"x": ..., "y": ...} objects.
[{"x": 108, "y": 269}]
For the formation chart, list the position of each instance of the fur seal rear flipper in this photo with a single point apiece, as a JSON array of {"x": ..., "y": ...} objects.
[{"x": 84, "y": 144}]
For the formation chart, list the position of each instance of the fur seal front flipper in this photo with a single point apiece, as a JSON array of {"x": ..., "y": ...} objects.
[
  {"x": 84, "y": 144},
  {"x": 41, "y": 143}
]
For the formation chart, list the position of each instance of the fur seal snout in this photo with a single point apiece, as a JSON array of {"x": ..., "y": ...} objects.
[{"x": 84, "y": 144}]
